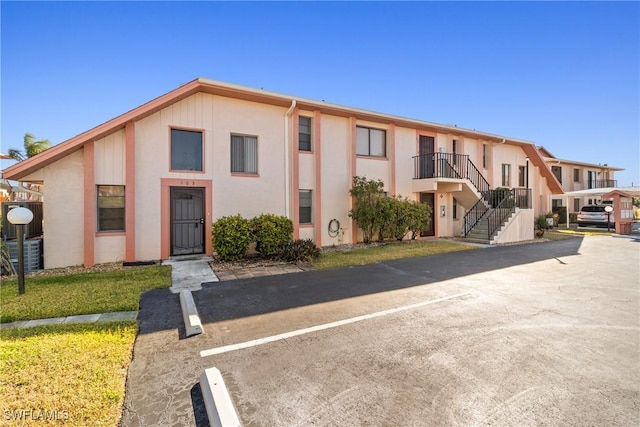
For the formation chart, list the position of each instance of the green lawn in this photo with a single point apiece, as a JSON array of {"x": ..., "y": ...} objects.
[
  {"x": 81, "y": 293},
  {"x": 75, "y": 374},
  {"x": 387, "y": 252}
]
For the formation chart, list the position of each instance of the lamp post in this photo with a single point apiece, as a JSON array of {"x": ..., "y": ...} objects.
[
  {"x": 20, "y": 217},
  {"x": 608, "y": 210}
]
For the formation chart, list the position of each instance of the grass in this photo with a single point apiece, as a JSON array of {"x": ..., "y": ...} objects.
[
  {"x": 387, "y": 252},
  {"x": 65, "y": 374},
  {"x": 81, "y": 293}
]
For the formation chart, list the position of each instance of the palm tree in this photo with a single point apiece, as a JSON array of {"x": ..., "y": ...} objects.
[{"x": 31, "y": 148}]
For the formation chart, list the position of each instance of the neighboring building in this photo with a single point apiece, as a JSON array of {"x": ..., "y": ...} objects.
[
  {"x": 576, "y": 176},
  {"x": 148, "y": 184}
]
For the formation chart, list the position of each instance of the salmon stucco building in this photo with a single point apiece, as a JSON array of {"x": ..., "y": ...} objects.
[{"x": 149, "y": 183}]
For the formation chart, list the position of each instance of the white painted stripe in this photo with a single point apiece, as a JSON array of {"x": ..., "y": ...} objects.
[{"x": 265, "y": 340}]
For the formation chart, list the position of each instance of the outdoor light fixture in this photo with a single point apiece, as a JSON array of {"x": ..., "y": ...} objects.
[
  {"x": 608, "y": 210},
  {"x": 20, "y": 217}
]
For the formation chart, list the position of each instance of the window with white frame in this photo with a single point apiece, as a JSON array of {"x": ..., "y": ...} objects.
[
  {"x": 371, "y": 142},
  {"x": 186, "y": 150},
  {"x": 506, "y": 175},
  {"x": 111, "y": 208},
  {"x": 304, "y": 216},
  {"x": 244, "y": 154},
  {"x": 304, "y": 133}
]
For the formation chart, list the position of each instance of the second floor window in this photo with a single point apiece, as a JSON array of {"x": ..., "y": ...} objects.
[
  {"x": 186, "y": 150},
  {"x": 557, "y": 171},
  {"x": 506, "y": 175},
  {"x": 304, "y": 134},
  {"x": 576, "y": 175},
  {"x": 522, "y": 173},
  {"x": 244, "y": 154},
  {"x": 371, "y": 142}
]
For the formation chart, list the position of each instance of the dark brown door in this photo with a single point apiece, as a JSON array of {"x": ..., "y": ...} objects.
[
  {"x": 426, "y": 145},
  {"x": 429, "y": 199},
  {"x": 187, "y": 221}
]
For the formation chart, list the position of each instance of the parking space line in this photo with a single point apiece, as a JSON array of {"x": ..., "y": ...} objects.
[{"x": 273, "y": 338}]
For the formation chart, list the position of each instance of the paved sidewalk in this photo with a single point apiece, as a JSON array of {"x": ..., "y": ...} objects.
[
  {"x": 260, "y": 271},
  {"x": 190, "y": 273},
  {"x": 84, "y": 318}
]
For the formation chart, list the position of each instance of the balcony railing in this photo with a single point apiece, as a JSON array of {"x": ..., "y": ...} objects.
[
  {"x": 449, "y": 165},
  {"x": 602, "y": 183}
]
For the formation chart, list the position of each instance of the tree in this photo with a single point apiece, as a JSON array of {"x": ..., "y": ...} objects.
[
  {"x": 31, "y": 148},
  {"x": 367, "y": 194}
]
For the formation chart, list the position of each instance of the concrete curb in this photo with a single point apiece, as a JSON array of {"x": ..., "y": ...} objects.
[
  {"x": 192, "y": 323},
  {"x": 220, "y": 410}
]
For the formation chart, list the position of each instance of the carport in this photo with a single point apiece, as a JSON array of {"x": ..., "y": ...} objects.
[{"x": 622, "y": 208}]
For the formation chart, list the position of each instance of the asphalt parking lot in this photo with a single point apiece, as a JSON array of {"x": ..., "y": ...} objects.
[{"x": 539, "y": 334}]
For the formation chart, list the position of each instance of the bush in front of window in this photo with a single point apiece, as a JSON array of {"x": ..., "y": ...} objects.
[
  {"x": 298, "y": 250},
  {"x": 270, "y": 231},
  {"x": 231, "y": 237}
]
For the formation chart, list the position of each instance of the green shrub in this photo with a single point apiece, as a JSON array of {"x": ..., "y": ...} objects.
[
  {"x": 271, "y": 231},
  {"x": 573, "y": 217},
  {"x": 298, "y": 251},
  {"x": 541, "y": 222},
  {"x": 562, "y": 214},
  {"x": 367, "y": 194},
  {"x": 231, "y": 237}
]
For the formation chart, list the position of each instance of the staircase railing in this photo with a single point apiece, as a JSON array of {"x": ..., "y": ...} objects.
[
  {"x": 511, "y": 199},
  {"x": 474, "y": 215},
  {"x": 477, "y": 179}
]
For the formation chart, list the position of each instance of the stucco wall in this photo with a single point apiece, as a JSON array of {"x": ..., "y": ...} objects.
[
  {"x": 518, "y": 229},
  {"x": 64, "y": 212},
  {"x": 336, "y": 177}
]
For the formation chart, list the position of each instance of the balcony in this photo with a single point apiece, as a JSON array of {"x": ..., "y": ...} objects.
[{"x": 602, "y": 183}]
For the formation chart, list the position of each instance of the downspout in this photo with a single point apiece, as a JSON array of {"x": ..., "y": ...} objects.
[{"x": 287, "y": 184}]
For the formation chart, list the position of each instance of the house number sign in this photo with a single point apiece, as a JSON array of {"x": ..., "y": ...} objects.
[{"x": 187, "y": 182}]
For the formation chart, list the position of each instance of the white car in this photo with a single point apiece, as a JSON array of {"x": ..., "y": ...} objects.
[{"x": 595, "y": 215}]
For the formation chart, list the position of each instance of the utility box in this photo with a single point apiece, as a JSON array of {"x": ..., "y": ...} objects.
[
  {"x": 33, "y": 254},
  {"x": 31, "y": 230}
]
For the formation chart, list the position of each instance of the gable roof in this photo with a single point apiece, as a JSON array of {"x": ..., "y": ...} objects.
[{"x": 57, "y": 152}]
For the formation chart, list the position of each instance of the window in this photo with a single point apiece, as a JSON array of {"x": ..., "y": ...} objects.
[
  {"x": 454, "y": 150},
  {"x": 556, "y": 203},
  {"x": 110, "y": 207},
  {"x": 186, "y": 150},
  {"x": 576, "y": 175},
  {"x": 506, "y": 175},
  {"x": 484, "y": 156},
  {"x": 557, "y": 171},
  {"x": 455, "y": 208},
  {"x": 576, "y": 205},
  {"x": 304, "y": 134},
  {"x": 305, "y": 207},
  {"x": 591, "y": 179},
  {"x": 371, "y": 142},
  {"x": 522, "y": 174},
  {"x": 244, "y": 154}
]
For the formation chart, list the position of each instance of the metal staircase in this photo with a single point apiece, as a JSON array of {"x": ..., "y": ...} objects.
[{"x": 493, "y": 207}]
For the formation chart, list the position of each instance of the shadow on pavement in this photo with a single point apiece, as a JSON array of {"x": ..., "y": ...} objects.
[
  {"x": 199, "y": 410},
  {"x": 160, "y": 310}
]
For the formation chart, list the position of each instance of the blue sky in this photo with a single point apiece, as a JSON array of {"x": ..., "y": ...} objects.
[{"x": 563, "y": 75}]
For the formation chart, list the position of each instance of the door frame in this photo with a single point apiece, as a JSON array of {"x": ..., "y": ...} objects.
[
  {"x": 165, "y": 212},
  {"x": 434, "y": 214},
  {"x": 173, "y": 191}
]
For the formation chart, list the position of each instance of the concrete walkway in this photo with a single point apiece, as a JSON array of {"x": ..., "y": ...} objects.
[
  {"x": 190, "y": 273},
  {"x": 186, "y": 273},
  {"x": 83, "y": 318}
]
